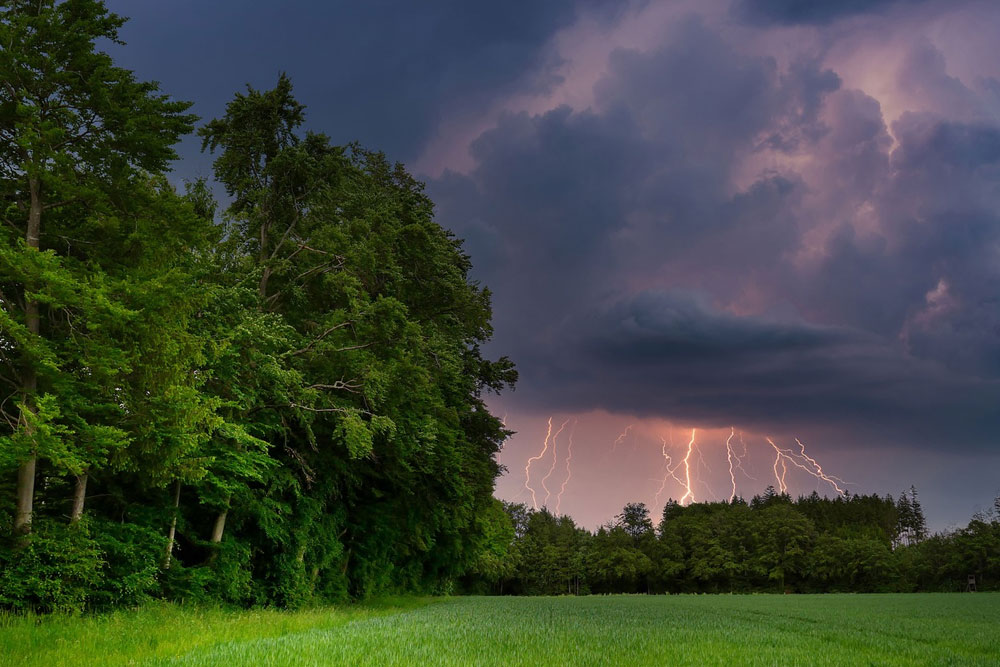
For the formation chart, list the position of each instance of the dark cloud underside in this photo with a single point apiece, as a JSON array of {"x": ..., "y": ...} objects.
[{"x": 794, "y": 12}]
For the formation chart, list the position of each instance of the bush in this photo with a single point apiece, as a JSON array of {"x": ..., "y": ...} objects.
[
  {"x": 133, "y": 555},
  {"x": 232, "y": 580},
  {"x": 188, "y": 584},
  {"x": 55, "y": 568}
]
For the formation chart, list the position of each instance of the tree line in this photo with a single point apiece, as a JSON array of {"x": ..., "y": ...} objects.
[
  {"x": 773, "y": 543},
  {"x": 276, "y": 403}
]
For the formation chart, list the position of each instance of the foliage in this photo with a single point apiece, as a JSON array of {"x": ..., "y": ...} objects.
[
  {"x": 280, "y": 403},
  {"x": 771, "y": 544},
  {"x": 132, "y": 557},
  {"x": 56, "y": 570}
]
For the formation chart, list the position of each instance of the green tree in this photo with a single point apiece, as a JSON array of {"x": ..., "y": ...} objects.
[
  {"x": 373, "y": 410},
  {"x": 785, "y": 540},
  {"x": 77, "y": 133},
  {"x": 634, "y": 520}
]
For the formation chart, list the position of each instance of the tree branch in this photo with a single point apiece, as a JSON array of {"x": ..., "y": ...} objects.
[
  {"x": 351, "y": 385},
  {"x": 319, "y": 338}
]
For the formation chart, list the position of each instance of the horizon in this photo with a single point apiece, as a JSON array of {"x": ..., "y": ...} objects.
[{"x": 640, "y": 473}]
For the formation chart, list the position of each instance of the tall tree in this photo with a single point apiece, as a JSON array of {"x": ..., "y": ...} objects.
[
  {"x": 371, "y": 402},
  {"x": 918, "y": 525},
  {"x": 74, "y": 131}
]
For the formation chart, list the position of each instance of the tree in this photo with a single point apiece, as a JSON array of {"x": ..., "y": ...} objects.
[
  {"x": 634, "y": 520},
  {"x": 497, "y": 558},
  {"x": 282, "y": 405},
  {"x": 615, "y": 564},
  {"x": 273, "y": 175},
  {"x": 918, "y": 524},
  {"x": 76, "y": 133},
  {"x": 371, "y": 404},
  {"x": 785, "y": 539}
]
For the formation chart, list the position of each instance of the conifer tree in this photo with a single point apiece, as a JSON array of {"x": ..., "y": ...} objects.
[{"x": 918, "y": 524}]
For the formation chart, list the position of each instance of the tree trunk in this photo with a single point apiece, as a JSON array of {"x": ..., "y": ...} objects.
[
  {"x": 173, "y": 526},
  {"x": 79, "y": 495},
  {"x": 32, "y": 320},
  {"x": 220, "y": 522},
  {"x": 218, "y": 529},
  {"x": 263, "y": 257},
  {"x": 220, "y": 526},
  {"x": 25, "y": 494},
  {"x": 262, "y": 288}
]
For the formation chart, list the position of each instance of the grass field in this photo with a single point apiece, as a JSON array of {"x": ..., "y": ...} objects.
[{"x": 621, "y": 630}]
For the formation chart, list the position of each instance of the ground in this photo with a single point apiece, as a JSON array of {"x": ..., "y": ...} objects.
[{"x": 617, "y": 630}]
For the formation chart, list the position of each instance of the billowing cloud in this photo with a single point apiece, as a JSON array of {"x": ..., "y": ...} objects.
[{"x": 850, "y": 282}]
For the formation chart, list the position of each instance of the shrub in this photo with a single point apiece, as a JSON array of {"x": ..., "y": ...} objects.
[
  {"x": 55, "y": 568},
  {"x": 131, "y": 571}
]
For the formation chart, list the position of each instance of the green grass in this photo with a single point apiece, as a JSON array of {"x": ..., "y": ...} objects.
[
  {"x": 933, "y": 629},
  {"x": 165, "y": 630}
]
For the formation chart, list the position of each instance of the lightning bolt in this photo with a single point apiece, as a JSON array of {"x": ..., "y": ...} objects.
[
  {"x": 668, "y": 472},
  {"x": 569, "y": 472},
  {"x": 778, "y": 459},
  {"x": 621, "y": 437},
  {"x": 703, "y": 464},
  {"x": 552, "y": 468},
  {"x": 729, "y": 458},
  {"x": 739, "y": 459},
  {"x": 819, "y": 469},
  {"x": 689, "y": 492},
  {"x": 692, "y": 468},
  {"x": 527, "y": 476},
  {"x": 701, "y": 459},
  {"x": 788, "y": 456}
]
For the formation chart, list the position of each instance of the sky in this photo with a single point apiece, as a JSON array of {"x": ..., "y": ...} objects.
[{"x": 739, "y": 219}]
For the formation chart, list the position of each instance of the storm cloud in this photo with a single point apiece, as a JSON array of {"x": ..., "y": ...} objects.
[
  {"x": 721, "y": 238},
  {"x": 775, "y": 215},
  {"x": 384, "y": 72}
]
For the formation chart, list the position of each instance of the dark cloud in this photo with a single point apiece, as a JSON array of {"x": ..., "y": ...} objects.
[
  {"x": 810, "y": 12},
  {"x": 384, "y": 72},
  {"x": 623, "y": 255},
  {"x": 672, "y": 353},
  {"x": 582, "y": 202}
]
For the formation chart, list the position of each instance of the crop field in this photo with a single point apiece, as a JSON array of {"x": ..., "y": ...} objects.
[{"x": 957, "y": 629}]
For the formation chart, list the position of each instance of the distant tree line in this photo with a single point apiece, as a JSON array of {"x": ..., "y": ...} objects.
[
  {"x": 855, "y": 543},
  {"x": 277, "y": 403}
]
